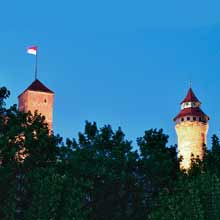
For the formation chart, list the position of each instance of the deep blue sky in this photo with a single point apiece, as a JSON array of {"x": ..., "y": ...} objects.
[{"x": 124, "y": 63}]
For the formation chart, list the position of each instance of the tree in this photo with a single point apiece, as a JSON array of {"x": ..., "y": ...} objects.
[
  {"x": 192, "y": 198},
  {"x": 158, "y": 163},
  {"x": 212, "y": 157},
  {"x": 104, "y": 157},
  {"x": 25, "y": 144},
  {"x": 99, "y": 176},
  {"x": 55, "y": 196}
]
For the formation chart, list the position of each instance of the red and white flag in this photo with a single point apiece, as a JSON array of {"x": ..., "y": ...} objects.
[{"x": 32, "y": 50}]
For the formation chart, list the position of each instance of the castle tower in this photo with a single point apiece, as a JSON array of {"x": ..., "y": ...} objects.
[
  {"x": 38, "y": 97},
  {"x": 191, "y": 128}
]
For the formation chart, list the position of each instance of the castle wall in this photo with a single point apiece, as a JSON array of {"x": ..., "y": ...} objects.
[
  {"x": 22, "y": 103},
  {"x": 192, "y": 136}
]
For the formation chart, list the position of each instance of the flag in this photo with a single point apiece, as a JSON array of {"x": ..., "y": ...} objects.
[{"x": 32, "y": 50}]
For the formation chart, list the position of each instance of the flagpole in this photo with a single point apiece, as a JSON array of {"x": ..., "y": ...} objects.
[{"x": 36, "y": 66}]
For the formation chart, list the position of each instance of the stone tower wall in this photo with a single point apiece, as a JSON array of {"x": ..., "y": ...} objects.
[
  {"x": 192, "y": 136},
  {"x": 40, "y": 101}
]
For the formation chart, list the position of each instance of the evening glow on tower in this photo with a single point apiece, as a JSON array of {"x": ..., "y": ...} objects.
[
  {"x": 38, "y": 97},
  {"x": 191, "y": 128}
]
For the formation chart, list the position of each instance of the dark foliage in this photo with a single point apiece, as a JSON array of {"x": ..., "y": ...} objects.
[{"x": 99, "y": 176}]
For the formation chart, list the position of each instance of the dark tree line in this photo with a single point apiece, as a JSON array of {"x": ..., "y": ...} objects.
[{"x": 99, "y": 176}]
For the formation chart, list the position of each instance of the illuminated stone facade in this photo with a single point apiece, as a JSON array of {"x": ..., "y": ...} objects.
[
  {"x": 191, "y": 140},
  {"x": 38, "y": 97},
  {"x": 191, "y": 128}
]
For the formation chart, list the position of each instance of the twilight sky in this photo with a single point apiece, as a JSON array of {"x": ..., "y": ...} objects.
[{"x": 119, "y": 62}]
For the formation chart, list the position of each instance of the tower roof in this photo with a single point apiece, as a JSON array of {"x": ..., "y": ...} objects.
[
  {"x": 190, "y": 97},
  {"x": 38, "y": 86},
  {"x": 191, "y": 112},
  {"x": 188, "y": 109}
]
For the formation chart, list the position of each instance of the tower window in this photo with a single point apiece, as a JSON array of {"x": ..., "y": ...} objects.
[
  {"x": 182, "y": 119},
  {"x": 188, "y": 118},
  {"x": 200, "y": 119},
  {"x": 45, "y": 100},
  {"x": 194, "y": 118}
]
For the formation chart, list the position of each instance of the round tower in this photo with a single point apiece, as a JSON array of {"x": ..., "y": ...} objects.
[
  {"x": 38, "y": 97},
  {"x": 191, "y": 128}
]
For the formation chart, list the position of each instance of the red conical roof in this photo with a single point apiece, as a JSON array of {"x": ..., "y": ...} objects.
[
  {"x": 190, "y": 97},
  {"x": 191, "y": 110}
]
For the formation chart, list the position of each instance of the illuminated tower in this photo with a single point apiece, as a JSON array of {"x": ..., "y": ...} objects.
[
  {"x": 38, "y": 97},
  {"x": 191, "y": 128}
]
